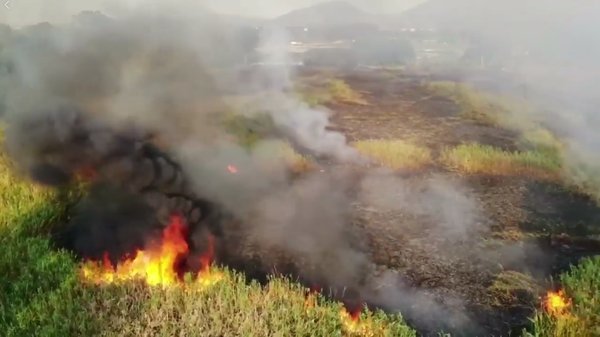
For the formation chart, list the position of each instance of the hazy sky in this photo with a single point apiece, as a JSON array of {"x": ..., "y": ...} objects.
[
  {"x": 34, "y": 11},
  {"x": 273, "y": 8}
]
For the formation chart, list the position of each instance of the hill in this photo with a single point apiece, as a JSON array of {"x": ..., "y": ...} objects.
[{"x": 326, "y": 14}]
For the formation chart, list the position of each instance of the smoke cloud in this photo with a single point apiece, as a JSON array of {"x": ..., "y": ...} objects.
[{"x": 110, "y": 93}]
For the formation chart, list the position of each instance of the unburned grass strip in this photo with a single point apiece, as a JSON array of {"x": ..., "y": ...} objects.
[
  {"x": 484, "y": 159},
  {"x": 395, "y": 154}
]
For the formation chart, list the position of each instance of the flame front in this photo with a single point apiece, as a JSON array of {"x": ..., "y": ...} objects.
[
  {"x": 206, "y": 277},
  {"x": 353, "y": 325},
  {"x": 556, "y": 303},
  {"x": 156, "y": 266}
]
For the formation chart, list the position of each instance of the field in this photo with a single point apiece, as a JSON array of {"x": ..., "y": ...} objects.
[{"x": 537, "y": 231}]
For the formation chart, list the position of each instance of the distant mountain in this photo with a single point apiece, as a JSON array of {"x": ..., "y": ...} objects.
[{"x": 326, "y": 14}]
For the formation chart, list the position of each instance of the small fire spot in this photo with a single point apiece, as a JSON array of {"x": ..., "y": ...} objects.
[
  {"x": 556, "y": 303},
  {"x": 232, "y": 169}
]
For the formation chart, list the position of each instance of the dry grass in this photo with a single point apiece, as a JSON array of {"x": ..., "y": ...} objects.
[
  {"x": 516, "y": 114},
  {"x": 321, "y": 91},
  {"x": 340, "y": 91},
  {"x": 231, "y": 307},
  {"x": 473, "y": 104},
  {"x": 395, "y": 154},
  {"x": 509, "y": 286},
  {"x": 272, "y": 153},
  {"x": 485, "y": 159}
]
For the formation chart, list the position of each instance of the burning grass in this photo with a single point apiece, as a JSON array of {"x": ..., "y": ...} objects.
[
  {"x": 156, "y": 265},
  {"x": 45, "y": 294},
  {"x": 485, "y": 159},
  {"x": 575, "y": 310},
  {"x": 229, "y": 308},
  {"x": 395, "y": 154}
]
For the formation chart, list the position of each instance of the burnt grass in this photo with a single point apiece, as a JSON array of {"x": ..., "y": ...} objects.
[
  {"x": 538, "y": 228},
  {"x": 532, "y": 228}
]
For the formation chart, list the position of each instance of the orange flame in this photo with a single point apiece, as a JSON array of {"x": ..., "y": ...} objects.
[
  {"x": 207, "y": 258},
  {"x": 556, "y": 303},
  {"x": 206, "y": 277},
  {"x": 310, "y": 300},
  {"x": 232, "y": 169},
  {"x": 156, "y": 266},
  {"x": 86, "y": 173},
  {"x": 352, "y": 324}
]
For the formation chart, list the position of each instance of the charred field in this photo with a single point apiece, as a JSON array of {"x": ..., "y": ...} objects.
[
  {"x": 530, "y": 227},
  {"x": 468, "y": 253}
]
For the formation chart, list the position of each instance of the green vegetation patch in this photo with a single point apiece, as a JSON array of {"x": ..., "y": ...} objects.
[
  {"x": 485, "y": 159},
  {"x": 395, "y": 154}
]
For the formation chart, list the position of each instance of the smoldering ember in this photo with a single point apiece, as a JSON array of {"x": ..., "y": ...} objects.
[{"x": 299, "y": 168}]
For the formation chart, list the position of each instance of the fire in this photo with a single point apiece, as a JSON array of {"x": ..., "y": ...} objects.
[
  {"x": 156, "y": 266},
  {"x": 311, "y": 297},
  {"x": 206, "y": 277},
  {"x": 232, "y": 169},
  {"x": 353, "y": 325},
  {"x": 556, "y": 303},
  {"x": 86, "y": 173}
]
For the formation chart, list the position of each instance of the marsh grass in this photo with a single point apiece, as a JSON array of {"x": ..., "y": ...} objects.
[
  {"x": 395, "y": 154},
  {"x": 484, "y": 159}
]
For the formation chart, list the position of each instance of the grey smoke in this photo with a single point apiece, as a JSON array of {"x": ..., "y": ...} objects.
[
  {"x": 445, "y": 202},
  {"x": 159, "y": 74}
]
